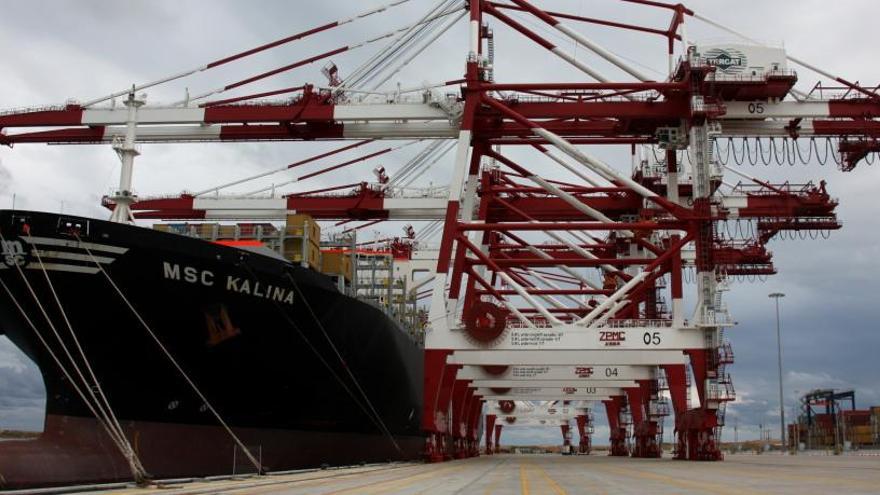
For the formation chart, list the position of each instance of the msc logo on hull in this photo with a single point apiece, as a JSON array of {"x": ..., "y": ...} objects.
[{"x": 13, "y": 253}]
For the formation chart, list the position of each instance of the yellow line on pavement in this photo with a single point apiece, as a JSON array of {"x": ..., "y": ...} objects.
[
  {"x": 523, "y": 479},
  {"x": 555, "y": 486}
]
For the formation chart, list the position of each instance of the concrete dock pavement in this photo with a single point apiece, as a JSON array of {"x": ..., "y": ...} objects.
[{"x": 558, "y": 475}]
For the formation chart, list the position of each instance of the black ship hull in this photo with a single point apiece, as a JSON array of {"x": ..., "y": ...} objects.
[{"x": 253, "y": 333}]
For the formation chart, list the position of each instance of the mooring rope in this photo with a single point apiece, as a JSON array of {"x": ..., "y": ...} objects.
[
  {"x": 350, "y": 373},
  {"x": 377, "y": 421},
  {"x": 97, "y": 384},
  {"x": 107, "y": 420},
  {"x": 173, "y": 361},
  {"x": 102, "y": 421}
]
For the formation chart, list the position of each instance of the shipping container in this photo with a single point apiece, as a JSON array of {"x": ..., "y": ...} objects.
[
  {"x": 256, "y": 230},
  {"x": 227, "y": 232},
  {"x": 864, "y": 440},
  {"x": 336, "y": 262},
  {"x": 296, "y": 251},
  {"x": 862, "y": 430},
  {"x": 207, "y": 230},
  {"x": 301, "y": 224},
  {"x": 177, "y": 228},
  {"x": 858, "y": 417}
]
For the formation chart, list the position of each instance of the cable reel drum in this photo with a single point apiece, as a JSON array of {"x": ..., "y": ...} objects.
[{"x": 485, "y": 322}]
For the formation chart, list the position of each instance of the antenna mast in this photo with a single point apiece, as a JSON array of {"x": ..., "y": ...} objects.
[{"x": 126, "y": 149}]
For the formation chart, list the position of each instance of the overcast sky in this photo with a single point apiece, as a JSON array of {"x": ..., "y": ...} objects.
[{"x": 62, "y": 49}]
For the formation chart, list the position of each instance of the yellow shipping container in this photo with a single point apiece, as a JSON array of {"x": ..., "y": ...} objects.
[
  {"x": 296, "y": 224},
  {"x": 298, "y": 220},
  {"x": 862, "y": 430},
  {"x": 295, "y": 231},
  {"x": 162, "y": 227},
  {"x": 226, "y": 232},
  {"x": 206, "y": 230},
  {"x": 313, "y": 261},
  {"x": 336, "y": 263},
  {"x": 293, "y": 250},
  {"x": 863, "y": 438}
]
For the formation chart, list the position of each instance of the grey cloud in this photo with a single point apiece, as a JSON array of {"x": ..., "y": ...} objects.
[
  {"x": 22, "y": 394},
  {"x": 5, "y": 178}
]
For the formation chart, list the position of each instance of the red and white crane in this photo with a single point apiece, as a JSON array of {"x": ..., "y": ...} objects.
[{"x": 545, "y": 290}]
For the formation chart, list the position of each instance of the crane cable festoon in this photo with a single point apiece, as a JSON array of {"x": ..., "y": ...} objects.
[
  {"x": 99, "y": 408},
  {"x": 754, "y": 152},
  {"x": 257, "y": 464}
]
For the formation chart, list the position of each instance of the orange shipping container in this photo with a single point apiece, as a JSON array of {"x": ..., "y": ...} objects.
[{"x": 863, "y": 439}]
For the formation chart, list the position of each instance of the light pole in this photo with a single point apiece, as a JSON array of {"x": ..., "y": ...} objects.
[
  {"x": 777, "y": 296},
  {"x": 797, "y": 422}
]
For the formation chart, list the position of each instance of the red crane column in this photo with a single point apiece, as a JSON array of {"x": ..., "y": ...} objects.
[
  {"x": 676, "y": 378},
  {"x": 645, "y": 428},
  {"x": 613, "y": 408},
  {"x": 437, "y": 442},
  {"x": 439, "y": 380},
  {"x": 566, "y": 437},
  {"x": 460, "y": 395},
  {"x": 490, "y": 430},
  {"x": 474, "y": 426},
  {"x": 584, "y": 444}
]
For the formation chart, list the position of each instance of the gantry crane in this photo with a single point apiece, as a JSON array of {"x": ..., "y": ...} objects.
[{"x": 518, "y": 318}]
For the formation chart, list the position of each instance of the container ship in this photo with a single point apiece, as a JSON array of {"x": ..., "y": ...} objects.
[{"x": 305, "y": 369}]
